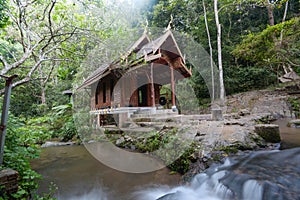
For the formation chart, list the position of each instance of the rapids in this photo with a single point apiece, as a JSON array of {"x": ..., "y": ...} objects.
[{"x": 257, "y": 176}]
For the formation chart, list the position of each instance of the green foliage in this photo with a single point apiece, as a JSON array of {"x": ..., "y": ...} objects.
[
  {"x": 246, "y": 79},
  {"x": 17, "y": 154},
  {"x": 295, "y": 105},
  {"x": 49, "y": 195},
  {"x": 3, "y": 16},
  {"x": 35, "y": 130},
  {"x": 63, "y": 122},
  {"x": 152, "y": 143},
  {"x": 267, "y": 49},
  {"x": 182, "y": 164},
  {"x": 21, "y": 147},
  {"x": 169, "y": 141},
  {"x": 229, "y": 149}
]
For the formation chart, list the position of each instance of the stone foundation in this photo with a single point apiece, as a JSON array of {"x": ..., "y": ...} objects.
[
  {"x": 8, "y": 181},
  {"x": 294, "y": 123}
]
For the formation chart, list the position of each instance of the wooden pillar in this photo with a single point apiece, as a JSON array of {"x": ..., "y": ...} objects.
[
  {"x": 173, "y": 88},
  {"x": 133, "y": 90},
  {"x": 4, "y": 116},
  {"x": 123, "y": 96},
  {"x": 152, "y": 86},
  {"x": 98, "y": 120}
]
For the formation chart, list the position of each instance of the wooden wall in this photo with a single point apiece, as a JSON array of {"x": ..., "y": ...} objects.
[
  {"x": 102, "y": 91},
  {"x": 125, "y": 93}
]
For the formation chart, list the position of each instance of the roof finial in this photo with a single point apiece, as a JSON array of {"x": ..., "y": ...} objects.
[
  {"x": 170, "y": 24},
  {"x": 146, "y": 27}
]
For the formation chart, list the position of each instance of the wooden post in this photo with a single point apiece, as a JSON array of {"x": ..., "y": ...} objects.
[
  {"x": 123, "y": 96},
  {"x": 173, "y": 88},
  {"x": 168, "y": 102},
  {"x": 98, "y": 120},
  {"x": 4, "y": 117},
  {"x": 152, "y": 87}
]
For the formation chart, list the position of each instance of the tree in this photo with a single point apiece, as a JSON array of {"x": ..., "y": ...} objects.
[
  {"x": 220, "y": 64},
  {"x": 275, "y": 47},
  {"x": 38, "y": 35},
  {"x": 43, "y": 35},
  {"x": 210, "y": 52}
]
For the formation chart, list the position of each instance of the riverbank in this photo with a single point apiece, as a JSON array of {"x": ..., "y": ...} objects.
[
  {"x": 235, "y": 135},
  {"x": 247, "y": 109},
  {"x": 208, "y": 141}
]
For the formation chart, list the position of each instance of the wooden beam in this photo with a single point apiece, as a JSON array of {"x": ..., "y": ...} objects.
[{"x": 152, "y": 57}]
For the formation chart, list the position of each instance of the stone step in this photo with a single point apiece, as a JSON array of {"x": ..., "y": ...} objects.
[
  {"x": 157, "y": 114},
  {"x": 155, "y": 125},
  {"x": 153, "y": 111},
  {"x": 138, "y": 131},
  {"x": 161, "y": 118},
  {"x": 197, "y": 117},
  {"x": 171, "y": 118}
]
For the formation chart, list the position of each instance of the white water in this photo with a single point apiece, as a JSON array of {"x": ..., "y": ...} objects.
[
  {"x": 203, "y": 187},
  {"x": 182, "y": 192},
  {"x": 252, "y": 190},
  {"x": 94, "y": 194}
]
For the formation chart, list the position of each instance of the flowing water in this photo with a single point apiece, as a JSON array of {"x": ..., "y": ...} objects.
[
  {"x": 290, "y": 137},
  {"x": 257, "y": 176},
  {"x": 272, "y": 175},
  {"x": 79, "y": 176}
]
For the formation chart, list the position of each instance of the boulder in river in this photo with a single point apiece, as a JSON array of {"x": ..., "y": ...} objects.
[
  {"x": 294, "y": 123},
  {"x": 120, "y": 141},
  {"x": 54, "y": 144},
  {"x": 269, "y": 132}
]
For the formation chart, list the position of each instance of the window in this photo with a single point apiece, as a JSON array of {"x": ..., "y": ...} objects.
[
  {"x": 140, "y": 97},
  {"x": 97, "y": 94},
  {"x": 104, "y": 92},
  {"x": 111, "y": 89}
]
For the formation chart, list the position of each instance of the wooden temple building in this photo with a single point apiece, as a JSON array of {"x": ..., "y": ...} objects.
[{"x": 134, "y": 81}]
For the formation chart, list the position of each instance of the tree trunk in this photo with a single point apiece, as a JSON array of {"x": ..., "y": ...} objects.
[
  {"x": 210, "y": 55},
  {"x": 43, "y": 95},
  {"x": 283, "y": 20},
  {"x": 222, "y": 89},
  {"x": 270, "y": 13},
  {"x": 43, "y": 89}
]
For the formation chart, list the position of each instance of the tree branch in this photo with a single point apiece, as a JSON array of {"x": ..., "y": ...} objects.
[
  {"x": 49, "y": 75},
  {"x": 49, "y": 16},
  {"x": 11, "y": 53},
  {"x": 8, "y": 67},
  {"x": 4, "y": 62}
]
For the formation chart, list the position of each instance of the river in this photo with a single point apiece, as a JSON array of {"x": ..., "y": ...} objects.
[
  {"x": 290, "y": 137},
  {"x": 260, "y": 175},
  {"x": 78, "y": 175}
]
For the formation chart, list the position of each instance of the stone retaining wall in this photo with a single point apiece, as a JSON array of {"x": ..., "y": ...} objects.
[{"x": 8, "y": 181}]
